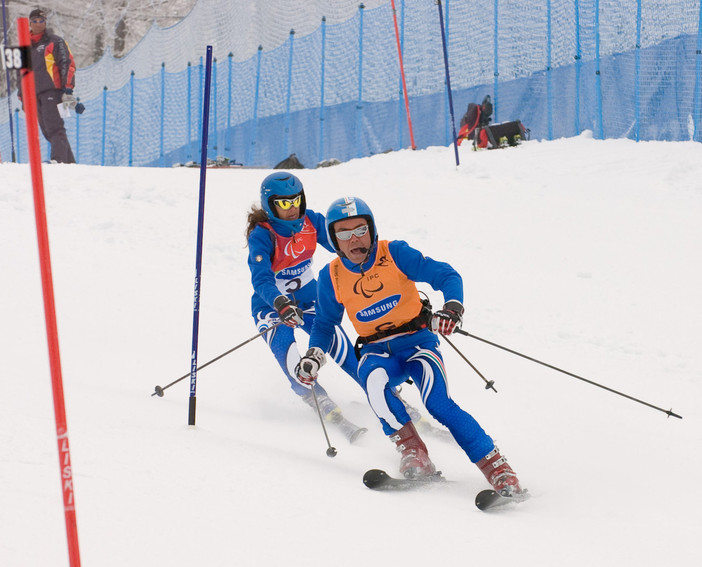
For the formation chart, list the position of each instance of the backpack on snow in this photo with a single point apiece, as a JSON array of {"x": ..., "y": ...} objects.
[{"x": 501, "y": 135}]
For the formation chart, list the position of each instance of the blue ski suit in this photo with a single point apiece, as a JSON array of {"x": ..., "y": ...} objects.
[
  {"x": 370, "y": 294},
  {"x": 280, "y": 261}
]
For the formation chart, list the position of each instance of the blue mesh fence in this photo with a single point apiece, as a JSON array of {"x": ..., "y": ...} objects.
[{"x": 621, "y": 68}]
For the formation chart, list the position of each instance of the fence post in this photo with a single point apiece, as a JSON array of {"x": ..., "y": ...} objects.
[
  {"x": 254, "y": 124},
  {"x": 213, "y": 102},
  {"x": 286, "y": 133},
  {"x": 578, "y": 62},
  {"x": 549, "y": 77},
  {"x": 104, "y": 123},
  {"x": 189, "y": 118},
  {"x": 598, "y": 77},
  {"x": 637, "y": 68},
  {"x": 131, "y": 119},
  {"x": 359, "y": 102},
  {"x": 19, "y": 145},
  {"x": 230, "y": 79},
  {"x": 77, "y": 152},
  {"x": 698, "y": 81},
  {"x": 495, "y": 71},
  {"x": 163, "y": 114},
  {"x": 321, "y": 101}
]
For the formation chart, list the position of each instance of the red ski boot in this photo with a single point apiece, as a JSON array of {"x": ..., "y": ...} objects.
[
  {"x": 415, "y": 460},
  {"x": 499, "y": 474}
]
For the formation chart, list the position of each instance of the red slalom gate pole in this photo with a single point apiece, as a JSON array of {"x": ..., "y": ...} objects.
[
  {"x": 402, "y": 74},
  {"x": 30, "y": 108}
]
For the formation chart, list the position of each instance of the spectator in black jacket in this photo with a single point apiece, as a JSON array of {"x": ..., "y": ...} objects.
[{"x": 54, "y": 77}]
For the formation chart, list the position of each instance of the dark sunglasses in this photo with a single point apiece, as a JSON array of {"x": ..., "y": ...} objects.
[{"x": 38, "y": 20}]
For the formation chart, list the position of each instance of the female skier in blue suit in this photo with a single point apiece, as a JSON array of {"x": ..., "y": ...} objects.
[{"x": 282, "y": 236}]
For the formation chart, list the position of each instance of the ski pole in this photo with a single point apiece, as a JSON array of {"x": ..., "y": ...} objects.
[
  {"x": 669, "y": 412},
  {"x": 489, "y": 384},
  {"x": 331, "y": 451},
  {"x": 158, "y": 390}
]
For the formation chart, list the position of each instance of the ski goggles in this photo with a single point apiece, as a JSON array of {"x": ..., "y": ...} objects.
[
  {"x": 286, "y": 203},
  {"x": 358, "y": 232}
]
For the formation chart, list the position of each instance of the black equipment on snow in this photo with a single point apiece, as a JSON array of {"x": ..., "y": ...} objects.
[{"x": 502, "y": 134}]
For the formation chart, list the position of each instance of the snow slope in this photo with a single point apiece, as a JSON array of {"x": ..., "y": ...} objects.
[{"x": 582, "y": 253}]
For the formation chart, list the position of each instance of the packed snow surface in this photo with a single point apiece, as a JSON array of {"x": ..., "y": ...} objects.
[{"x": 584, "y": 254}]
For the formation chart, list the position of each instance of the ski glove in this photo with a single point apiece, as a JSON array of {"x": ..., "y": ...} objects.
[
  {"x": 68, "y": 100},
  {"x": 289, "y": 313},
  {"x": 445, "y": 320},
  {"x": 306, "y": 370}
]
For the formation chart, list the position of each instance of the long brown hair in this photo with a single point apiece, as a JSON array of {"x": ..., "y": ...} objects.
[{"x": 256, "y": 215}]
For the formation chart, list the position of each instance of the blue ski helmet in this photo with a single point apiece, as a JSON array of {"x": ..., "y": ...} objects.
[
  {"x": 277, "y": 185},
  {"x": 348, "y": 208}
]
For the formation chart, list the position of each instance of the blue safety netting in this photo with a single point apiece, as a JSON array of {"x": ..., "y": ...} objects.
[{"x": 621, "y": 68}]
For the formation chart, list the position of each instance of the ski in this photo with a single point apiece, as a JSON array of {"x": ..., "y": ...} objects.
[
  {"x": 489, "y": 499},
  {"x": 377, "y": 479}
]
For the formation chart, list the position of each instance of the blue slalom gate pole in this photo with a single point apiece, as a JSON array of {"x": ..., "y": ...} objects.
[
  {"x": 200, "y": 223},
  {"x": 448, "y": 79}
]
